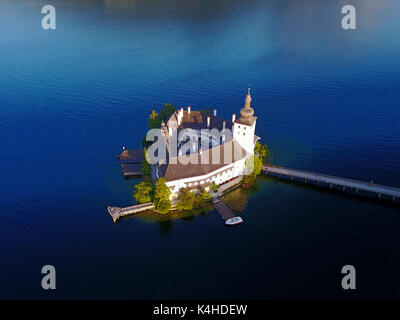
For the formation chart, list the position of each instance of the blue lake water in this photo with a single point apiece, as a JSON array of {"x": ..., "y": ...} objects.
[{"x": 328, "y": 100}]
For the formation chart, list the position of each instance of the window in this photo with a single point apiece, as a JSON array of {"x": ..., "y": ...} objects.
[{"x": 243, "y": 133}]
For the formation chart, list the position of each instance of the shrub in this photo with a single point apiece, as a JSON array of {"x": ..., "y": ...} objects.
[
  {"x": 201, "y": 198},
  {"x": 161, "y": 196},
  {"x": 186, "y": 200},
  {"x": 163, "y": 206},
  {"x": 143, "y": 192}
]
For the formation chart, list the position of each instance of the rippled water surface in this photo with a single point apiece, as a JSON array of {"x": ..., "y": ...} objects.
[{"x": 328, "y": 100}]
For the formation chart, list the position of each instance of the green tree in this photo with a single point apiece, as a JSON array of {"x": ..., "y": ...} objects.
[
  {"x": 253, "y": 165},
  {"x": 262, "y": 151},
  {"x": 143, "y": 192},
  {"x": 163, "y": 206},
  {"x": 206, "y": 111},
  {"x": 214, "y": 187},
  {"x": 146, "y": 169},
  {"x": 154, "y": 120},
  {"x": 161, "y": 196},
  {"x": 186, "y": 200},
  {"x": 167, "y": 110},
  {"x": 153, "y": 114},
  {"x": 201, "y": 198}
]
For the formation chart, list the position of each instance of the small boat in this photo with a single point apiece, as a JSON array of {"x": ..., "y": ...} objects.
[{"x": 233, "y": 221}]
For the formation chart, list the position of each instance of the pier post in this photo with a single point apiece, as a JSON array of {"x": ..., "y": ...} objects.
[
  {"x": 330, "y": 185},
  {"x": 356, "y": 190},
  {"x": 394, "y": 198},
  {"x": 379, "y": 195},
  {"x": 344, "y": 188}
]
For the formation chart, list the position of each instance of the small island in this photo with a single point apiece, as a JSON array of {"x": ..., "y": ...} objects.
[{"x": 195, "y": 158}]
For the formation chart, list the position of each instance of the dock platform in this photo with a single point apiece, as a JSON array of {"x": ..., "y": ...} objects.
[
  {"x": 222, "y": 208},
  {"x": 338, "y": 183},
  {"x": 131, "y": 162},
  {"x": 117, "y": 212}
]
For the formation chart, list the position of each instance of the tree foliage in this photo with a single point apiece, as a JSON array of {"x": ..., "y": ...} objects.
[
  {"x": 146, "y": 168},
  {"x": 163, "y": 206},
  {"x": 143, "y": 192},
  {"x": 262, "y": 151},
  {"x": 206, "y": 111},
  {"x": 153, "y": 114},
  {"x": 186, "y": 199},
  {"x": 253, "y": 166},
  {"x": 154, "y": 120},
  {"x": 201, "y": 198},
  {"x": 167, "y": 110},
  {"x": 162, "y": 193},
  {"x": 247, "y": 181},
  {"x": 214, "y": 187}
]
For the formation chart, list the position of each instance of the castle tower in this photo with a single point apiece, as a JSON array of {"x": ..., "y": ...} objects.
[{"x": 244, "y": 127}]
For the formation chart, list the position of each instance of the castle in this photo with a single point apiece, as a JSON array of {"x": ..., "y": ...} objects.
[{"x": 203, "y": 148}]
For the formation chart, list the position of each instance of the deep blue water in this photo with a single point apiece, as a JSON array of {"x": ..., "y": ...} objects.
[{"x": 328, "y": 100}]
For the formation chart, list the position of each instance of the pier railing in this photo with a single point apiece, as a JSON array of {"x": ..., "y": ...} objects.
[
  {"x": 117, "y": 212},
  {"x": 344, "y": 184}
]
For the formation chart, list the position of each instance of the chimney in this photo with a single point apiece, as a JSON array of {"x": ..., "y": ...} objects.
[
  {"x": 208, "y": 121},
  {"x": 215, "y": 112},
  {"x": 189, "y": 107},
  {"x": 180, "y": 116},
  {"x": 234, "y": 117},
  {"x": 223, "y": 125},
  {"x": 194, "y": 146}
]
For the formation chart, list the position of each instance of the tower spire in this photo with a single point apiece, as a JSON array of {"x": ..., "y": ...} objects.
[{"x": 247, "y": 111}]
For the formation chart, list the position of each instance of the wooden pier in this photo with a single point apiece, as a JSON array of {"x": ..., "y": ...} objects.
[
  {"x": 117, "y": 212},
  {"x": 333, "y": 182},
  {"x": 222, "y": 208}
]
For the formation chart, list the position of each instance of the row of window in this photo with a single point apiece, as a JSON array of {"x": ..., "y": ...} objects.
[{"x": 214, "y": 178}]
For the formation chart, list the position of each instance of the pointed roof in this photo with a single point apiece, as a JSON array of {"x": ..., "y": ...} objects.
[{"x": 247, "y": 111}]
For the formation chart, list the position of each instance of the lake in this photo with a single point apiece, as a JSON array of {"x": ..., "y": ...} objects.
[{"x": 327, "y": 100}]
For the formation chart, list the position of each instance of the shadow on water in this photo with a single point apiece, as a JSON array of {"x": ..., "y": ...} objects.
[{"x": 165, "y": 227}]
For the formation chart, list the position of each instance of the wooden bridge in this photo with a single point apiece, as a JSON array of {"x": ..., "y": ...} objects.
[
  {"x": 333, "y": 182},
  {"x": 222, "y": 208},
  {"x": 117, "y": 212}
]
